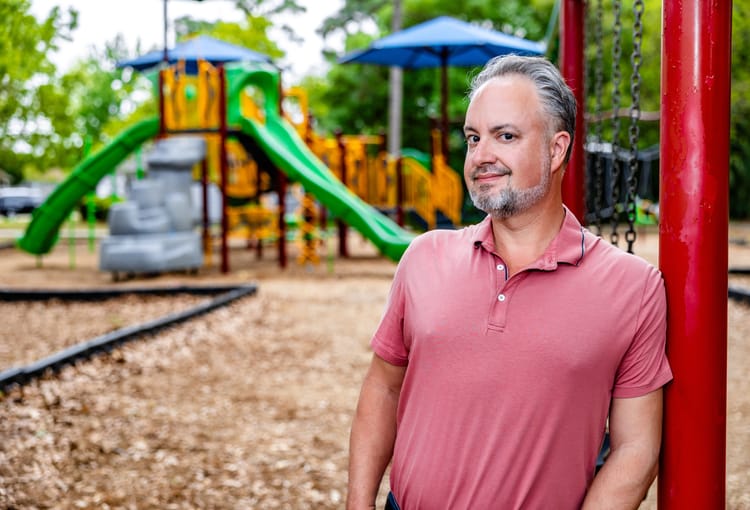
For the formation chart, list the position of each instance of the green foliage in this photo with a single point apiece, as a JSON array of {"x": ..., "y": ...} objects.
[
  {"x": 101, "y": 206},
  {"x": 352, "y": 16},
  {"x": 600, "y": 58},
  {"x": 26, "y": 89},
  {"x": 98, "y": 95},
  {"x": 269, "y": 8},
  {"x": 252, "y": 33}
]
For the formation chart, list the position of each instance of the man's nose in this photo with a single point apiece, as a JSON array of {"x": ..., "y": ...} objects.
[{"x": 482, "y": 154}]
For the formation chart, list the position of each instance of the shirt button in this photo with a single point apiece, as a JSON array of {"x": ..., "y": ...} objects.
[
  {"x": 500, "y": 267},
  {"x": 501, "y": 297}
]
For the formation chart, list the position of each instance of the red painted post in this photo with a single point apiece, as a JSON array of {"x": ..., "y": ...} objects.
[
  {"x": 343, "y": 251},
  {"x": 693, "y": 237},
  {"x": 572, "y": 21},
  {"x": 258, "y": 187},
  {"x": 206, "y": 230},
  {"x": 282, "y": 189},
  {"x": 162, "y": 106},
  {"x": 223, "y": 166}
]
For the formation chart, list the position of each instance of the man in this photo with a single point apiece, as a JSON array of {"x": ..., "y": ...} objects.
[{"x": 506, "y": 347}]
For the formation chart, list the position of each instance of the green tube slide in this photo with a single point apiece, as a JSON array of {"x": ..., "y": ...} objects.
[{"x": 41, "y": 234}]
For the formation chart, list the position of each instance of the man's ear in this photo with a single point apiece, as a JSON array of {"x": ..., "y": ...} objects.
[{"x": 558, "y": 148}]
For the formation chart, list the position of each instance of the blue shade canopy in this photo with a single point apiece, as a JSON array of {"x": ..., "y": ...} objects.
[
  {"x": 440, "y": 42},
  {"x": 202, "y": 47}
]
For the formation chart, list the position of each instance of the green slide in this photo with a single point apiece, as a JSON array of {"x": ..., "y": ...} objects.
[
  {"x": 41, "y": 234},
  {"x": 278, "y": 139},
  {"x": 283, "y": 146}
]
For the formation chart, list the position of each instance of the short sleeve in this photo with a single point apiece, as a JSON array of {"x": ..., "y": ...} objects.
[
  {"x": 388, "y": 342},
  {"x": 645, "y": 367}
]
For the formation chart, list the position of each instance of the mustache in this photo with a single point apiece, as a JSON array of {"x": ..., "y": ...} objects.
[{"x": 489, "y": 170}]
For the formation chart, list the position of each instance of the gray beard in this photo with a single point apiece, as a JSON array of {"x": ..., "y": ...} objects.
[{"x": 509, "y": 202}]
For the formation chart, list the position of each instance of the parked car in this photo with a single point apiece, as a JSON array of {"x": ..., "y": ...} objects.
[{"x": 19, "y": 200}]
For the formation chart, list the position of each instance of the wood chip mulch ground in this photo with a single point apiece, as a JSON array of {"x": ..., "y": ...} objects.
[{"x": 246, "y": 407}]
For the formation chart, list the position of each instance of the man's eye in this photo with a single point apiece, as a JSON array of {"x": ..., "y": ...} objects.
[
  {"x": 507, "y": 136},
  {"x": 472, "y": 139}
]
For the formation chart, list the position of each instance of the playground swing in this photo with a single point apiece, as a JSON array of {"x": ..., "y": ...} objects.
[
  {"x": 614, "y": 178},
  {"x": 610, "y": 182}
]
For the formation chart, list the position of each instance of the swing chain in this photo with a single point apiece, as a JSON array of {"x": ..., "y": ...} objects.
[
  {"x": 636, "y": 59},
  {"x": 599, "y": 130},
  {"x": 616, "y": 77}
]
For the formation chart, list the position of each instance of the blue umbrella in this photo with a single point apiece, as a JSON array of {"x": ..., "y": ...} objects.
[
  {"x": 202, "y": 47},
  {"x": 442, "y": 42}
]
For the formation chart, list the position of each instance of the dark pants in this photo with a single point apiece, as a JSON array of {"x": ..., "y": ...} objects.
[{"x": 390, "y": 503}]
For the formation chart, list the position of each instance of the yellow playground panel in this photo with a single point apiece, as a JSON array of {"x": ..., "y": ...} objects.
[
  {"x": 253, "y": 222},
  {"x": 191, "y": 101}
]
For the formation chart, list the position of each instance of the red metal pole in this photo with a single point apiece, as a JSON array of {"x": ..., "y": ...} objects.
[
  {"x": 223, "y": 165},
  {"x": 572, "y": 21},
  {"x": 343, "y": 251},
  {"x": 282, "y": 219},
  {"x": 258, "y": 187},
  {"x": 206, "y": 233},
  {"x": 162, "y": 106},
  {"x": 693, "y": 233}
]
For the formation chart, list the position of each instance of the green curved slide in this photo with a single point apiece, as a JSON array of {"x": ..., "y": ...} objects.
[
  {"x": 283, "y": 146},
  {"x": 41, "y": 234},
  {"x": 278, "y": 139}
]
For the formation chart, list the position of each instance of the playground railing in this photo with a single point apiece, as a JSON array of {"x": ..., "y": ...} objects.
[
  {"x": 417, "y": 191},
  {"x": 253, "y": 222},
  {"x": 363, "y": 165},
  {"x": 447, "y": 190}
]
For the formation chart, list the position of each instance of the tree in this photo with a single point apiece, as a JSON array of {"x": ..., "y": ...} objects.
[
  {"x": 28, "y": 96},
  {"x": 252, "y": 33},
  {"x": 99, "y": 94}
]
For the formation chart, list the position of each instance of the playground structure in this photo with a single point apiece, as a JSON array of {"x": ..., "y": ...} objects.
[{"x": 252, "y": 151}]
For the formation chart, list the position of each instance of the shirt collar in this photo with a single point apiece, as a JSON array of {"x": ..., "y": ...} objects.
[{"x": 566, "y": 248}]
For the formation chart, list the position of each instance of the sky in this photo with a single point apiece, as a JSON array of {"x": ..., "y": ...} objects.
[{"x": 100, "y": 20}]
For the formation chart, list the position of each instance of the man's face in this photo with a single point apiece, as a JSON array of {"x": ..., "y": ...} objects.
[{"x": 508, "y": 156}]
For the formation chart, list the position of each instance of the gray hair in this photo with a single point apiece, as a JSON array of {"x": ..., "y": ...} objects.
[{"x": 556, "y": 97}]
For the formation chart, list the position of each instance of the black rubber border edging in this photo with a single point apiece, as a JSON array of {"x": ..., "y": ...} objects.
[
  {"x": 105, "y": 343},
  {"x": 99, "y": 294},
  {"x": 739, "y": 294}
]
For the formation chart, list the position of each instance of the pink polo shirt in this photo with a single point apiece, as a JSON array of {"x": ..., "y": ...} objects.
[{"x": 509, "y": 380}]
